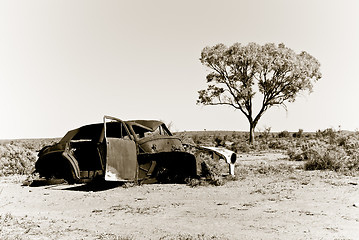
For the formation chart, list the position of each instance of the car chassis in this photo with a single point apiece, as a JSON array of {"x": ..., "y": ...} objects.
[{"x": 116, "y": 150}]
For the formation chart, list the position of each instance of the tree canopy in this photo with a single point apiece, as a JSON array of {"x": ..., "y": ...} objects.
[{"x": 240, "y": 71}]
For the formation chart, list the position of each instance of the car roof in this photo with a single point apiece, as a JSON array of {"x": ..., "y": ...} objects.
[{"x": 96, "y": 127}]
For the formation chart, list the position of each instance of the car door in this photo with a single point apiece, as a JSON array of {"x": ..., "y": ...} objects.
[{"x": 121, "y": 154}]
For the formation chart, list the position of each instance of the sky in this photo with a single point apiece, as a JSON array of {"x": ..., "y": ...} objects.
[{"x": 64, "y": 64}]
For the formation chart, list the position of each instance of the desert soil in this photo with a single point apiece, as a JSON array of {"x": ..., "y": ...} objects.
[{"x": 267, "y": 204}]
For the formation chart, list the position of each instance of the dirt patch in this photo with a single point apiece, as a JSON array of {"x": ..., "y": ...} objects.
[{"x": 273, "y": 199}]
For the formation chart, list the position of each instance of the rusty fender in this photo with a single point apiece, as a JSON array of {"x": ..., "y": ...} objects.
[{"x": 229, "y": 156}]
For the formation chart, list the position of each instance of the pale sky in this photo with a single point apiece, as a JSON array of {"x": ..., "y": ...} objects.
[{"x": 64, "y": 64}]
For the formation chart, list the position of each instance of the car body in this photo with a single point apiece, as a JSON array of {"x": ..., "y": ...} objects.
[{"x": 117, "y": 150}]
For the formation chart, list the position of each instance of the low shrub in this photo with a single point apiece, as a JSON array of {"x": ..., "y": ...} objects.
[
  {"x": 284, "y": 134},
  {"x": 323, "y": 159},
  {"x": 219, "y": 141},
  {"x": 278, "y": 144},
  {"x": 272, "y": 169},
  {"x": 298, "y": 134},
  {"x": 15, "y": 159},
  {"x": 331, "y": 150},
  {"x": 212, "y": 170},
  {"x": 240, "y": 147}
]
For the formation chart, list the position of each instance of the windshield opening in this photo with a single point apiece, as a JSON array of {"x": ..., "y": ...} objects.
[{"x": 142, "y": 132}]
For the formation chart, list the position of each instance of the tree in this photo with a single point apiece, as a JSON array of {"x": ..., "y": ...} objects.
[{"x": 240, "y": 71}]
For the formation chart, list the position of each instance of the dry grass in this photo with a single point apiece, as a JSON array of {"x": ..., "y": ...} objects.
[{"x": 328, "y": 149}]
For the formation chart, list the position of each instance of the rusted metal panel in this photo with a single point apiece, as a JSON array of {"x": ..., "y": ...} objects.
[
  {"x": 160, "y": 144},
  {"x": 74, "y": 164},
  {"x": 121, "y": 160},
  {"x": 167, "y": 166}
]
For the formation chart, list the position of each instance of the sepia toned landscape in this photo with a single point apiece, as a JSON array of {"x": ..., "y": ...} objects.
[
  {"x": 183, "y": 120},
  {"x": 275, "y": 194}
]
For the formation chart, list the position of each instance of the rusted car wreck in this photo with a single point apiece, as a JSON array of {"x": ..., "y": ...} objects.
[{"x": 116, "y": 150}]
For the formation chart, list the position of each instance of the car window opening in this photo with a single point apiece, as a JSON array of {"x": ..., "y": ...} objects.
[
  {"x": 116, "y": 130},
  {"x": 142, "y": 132}
]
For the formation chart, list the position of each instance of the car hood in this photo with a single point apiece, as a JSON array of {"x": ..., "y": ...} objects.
[{"x": 154, "y": 144}]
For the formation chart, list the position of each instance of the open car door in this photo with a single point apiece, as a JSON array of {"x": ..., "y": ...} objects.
[{"x": 121, "y": 154}]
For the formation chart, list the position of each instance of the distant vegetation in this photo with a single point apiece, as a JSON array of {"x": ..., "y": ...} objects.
[
  {"x": 327, "y": 149},
  {"x": 19, "y": 156}
]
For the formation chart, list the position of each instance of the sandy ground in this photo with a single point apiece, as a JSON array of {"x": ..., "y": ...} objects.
[{"x": 265, "y": 204}]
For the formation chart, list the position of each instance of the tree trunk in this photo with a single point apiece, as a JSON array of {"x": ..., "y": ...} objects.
[{"x": 251, "y": 133}]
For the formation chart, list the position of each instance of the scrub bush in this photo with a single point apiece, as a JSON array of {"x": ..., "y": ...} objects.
[
  {"x": 331, "y": 150},
  {"x": 331, "y": 158},
  {"x": 284, "y": 134},
  {"x": 19, "y": 156},
  {"x": 16, "y": 159}
]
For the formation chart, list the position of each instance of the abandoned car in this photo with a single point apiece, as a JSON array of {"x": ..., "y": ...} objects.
[{"x": 117, "y": 150}]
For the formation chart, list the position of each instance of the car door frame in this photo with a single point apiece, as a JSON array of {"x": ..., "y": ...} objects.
[{"x": 121, "y": 154}]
